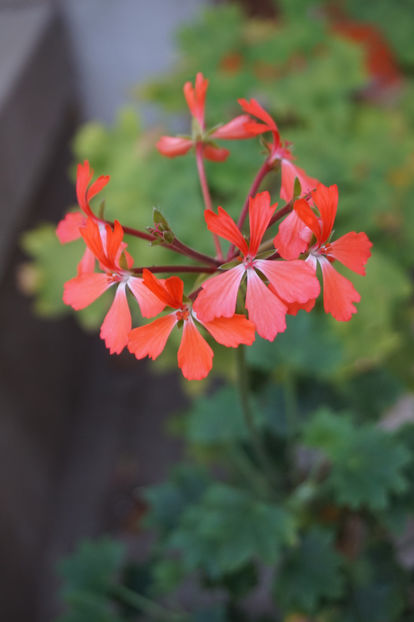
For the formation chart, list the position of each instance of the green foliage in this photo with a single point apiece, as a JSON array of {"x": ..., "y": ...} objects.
[
  {"x": 217, "y": 419},
  {"x": 310, "y": 573},
  {"x": 307, "y": 344},
  {"x": 228, "y": 529},
  {"x": 169, "y": 500},
  {"x": 89, "y": 574},
  {"x": 377, "y": 587},
  {"x": 367, "y": 464}
]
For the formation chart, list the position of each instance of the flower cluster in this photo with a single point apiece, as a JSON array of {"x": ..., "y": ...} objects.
[{"x": 265, "y": 276}]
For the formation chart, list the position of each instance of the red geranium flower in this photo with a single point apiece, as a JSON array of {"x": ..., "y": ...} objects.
[
  {"x": 194, "y": 354},
  {"x": 68, "y": 228},
  {"x": 352, "y": 250},
  {"x": 293, "y": 237},
  {"x": 173, "y": 146},
  {"x": 110, "y": 251},
  {"x": 289, "y": 281},
  {"x": 278, "y": 151}
]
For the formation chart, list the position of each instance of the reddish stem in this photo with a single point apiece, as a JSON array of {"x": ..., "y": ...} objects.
[
  {"x": 197, "y": 269},
  {"x": 176, "y": 245},
  {"x": 263, "y": 171},
  {"x": 179, "y": 247},
  {"x": 206, "y": 192}
]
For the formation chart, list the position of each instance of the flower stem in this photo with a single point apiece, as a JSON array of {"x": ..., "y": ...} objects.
[
  {"x": 247, "y": 469},
  {"x": 175, "y": 245},
  {"x": 264, "y": 169},
  {"x": 254, "y": 434},
  {"x": 206, "y": 192},
  {"x": 179, "y": 247},
  {"x": 155, "y": 269}
]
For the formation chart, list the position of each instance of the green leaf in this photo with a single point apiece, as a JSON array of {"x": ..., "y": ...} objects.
[
  {"x": 310, "y": 573},
  {"x": 167, "y": 574},
  {"x": 367, "y": 463},
  {"x": 215, "y": 613},
  {"x": 370, "y": 335},
  {"x": 307, "y": 346},
  {"x": 169, "y": 500},
  {"x": 227, "y": 529},
  {"x": 93, "y": 566},
  {"x": 378, "y": 586},
  {"x": 88, "y": 607},
  {"x": 88, "y": 576},
  {"x": 217, "y": 419}
]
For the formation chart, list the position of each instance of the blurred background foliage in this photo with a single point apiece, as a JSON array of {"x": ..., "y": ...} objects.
[{"x": 338, "y": 79}]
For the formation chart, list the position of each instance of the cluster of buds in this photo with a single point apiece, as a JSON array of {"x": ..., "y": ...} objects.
[{"x": 262, "y": 278}]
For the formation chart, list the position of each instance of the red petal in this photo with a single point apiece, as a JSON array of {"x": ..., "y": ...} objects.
[
  {"x": 353, "y": 250},
  {"x": 113, "y": 243},
  {"x": 225, "y": 227},
  {"x": 234, "y": 129},
  {"x": 169, "y": 291},
  {"x": 253, "y": 128},
  {"x": 254, "y": 108},
  {"x": 231, "y": 331},
  {"x": 294, "y": 307},
  {"x": 92, "y": 236},
  {"x": 195, "y": 357},
  {"x": 117, "y": 323},
  {"x": 68, "y": 228},
  {"x": 218, "y": 297},
  {"x": 83, "y": 177},
  {"x": 173, "y": 146},
  {"x": 97, "y": 186},
  {"x": 265, "y": 309},
  {"x": 150, "y": 340},
  {"x": 326, "y": 200},
  {"x": 196, "y": 97},
  {"x": 215, "y": 154},
  {"x": 129, "y": 259},
  {"x": 338, "y": 293},
  {"x": 81, "y": 291},
  {"x": 260, "y": 213},
  {"x": 149, "y": 304},
  {"x": 293, "y": 281},
  {"x": 84, "y": 195},
  {"x": 293, "y": 237},
  {"x": 289, "y": 174},
  {"x": 87, "y": 263},
  {"x": 308, "y": 216}
]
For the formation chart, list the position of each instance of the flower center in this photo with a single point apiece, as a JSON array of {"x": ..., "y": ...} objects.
[
  {"x": 248, "y": 261},
  {"x": 182, "y": 314}
]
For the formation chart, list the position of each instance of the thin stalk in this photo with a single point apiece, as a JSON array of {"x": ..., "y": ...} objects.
[
  {"x": 263, "y": 171},
  {"x": 175, "y": 245},
  {"x": 244, "y": 465},
  {"x": 179, "y": 247},
  {"x": 146, "y": 605},
  {"x": 254, "y": 434},
  {"x": 206, "y": 192},
  {"x": 155, "y": 269}
]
